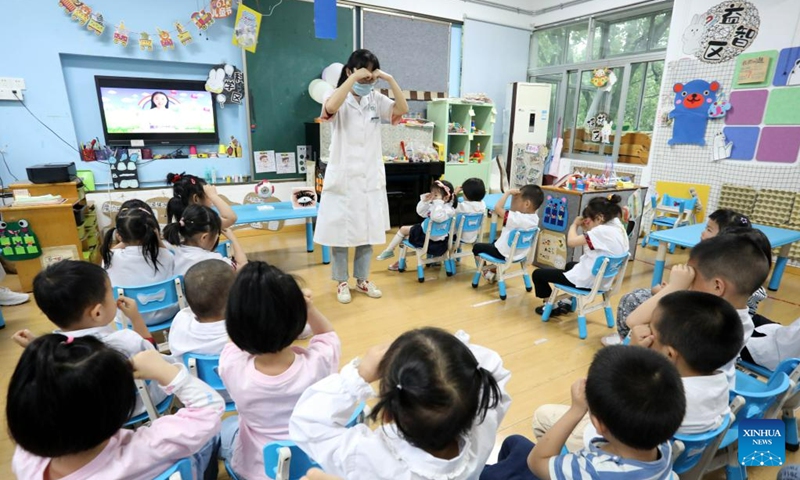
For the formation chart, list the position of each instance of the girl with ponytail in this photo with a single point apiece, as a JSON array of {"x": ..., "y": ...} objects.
[
  {"x": 191, "y": 190},
  {"x": 440, "y": 403}
]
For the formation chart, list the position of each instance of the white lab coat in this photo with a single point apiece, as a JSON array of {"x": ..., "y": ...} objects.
[{"x": 354, "y": 209}]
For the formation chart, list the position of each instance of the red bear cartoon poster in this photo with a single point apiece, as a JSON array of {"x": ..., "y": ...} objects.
[{"x": 692, "y": 102}]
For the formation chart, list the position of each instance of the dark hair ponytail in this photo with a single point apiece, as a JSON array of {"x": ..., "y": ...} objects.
[
  {"x": 184, "y": 187},
  {"x": 608, "y": 207},
  {"x": 135, "y": 226},
  {"x": 359, "y": 59},
  {"x": 726, "y": 218},
  {"x": 453, "y": 197},
  {"x": 196, "y": 219}
]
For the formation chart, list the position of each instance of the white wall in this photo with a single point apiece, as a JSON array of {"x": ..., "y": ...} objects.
[{"x": 455, "y": 10}]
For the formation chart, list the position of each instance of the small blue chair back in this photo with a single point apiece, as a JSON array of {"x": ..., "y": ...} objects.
[
  {"x": 437, "y": 229},
  {"x": 759, "y": 396},
  {"x": 225, "y": 249},
  {"x": 614, "y": 264},
  {"x": 695, "y": 445},
  {"x": 298, "y": 466},
  {"x": 683, "y": 204},
  {"x": 469, "y": 222},
  {"x": 182, "y": 470},
  {"x": 524, "y": 238},
  {"x": 156, "y": 296},
  {"x": 207, "y": 369}
]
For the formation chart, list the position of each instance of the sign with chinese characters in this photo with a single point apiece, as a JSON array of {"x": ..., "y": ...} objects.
[
  {"x": 754, "y": 70},
  {"x": 729, "y": 29}
]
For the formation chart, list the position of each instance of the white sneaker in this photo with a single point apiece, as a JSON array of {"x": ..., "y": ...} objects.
[
  {"x": 386, "y": 254},
  {"x": 343, "y": 293},
  {"x": 8, "y": 298},
  {"x": 489, "y": 275},
  {"x": 612, "y": 339},
  {"x": 306, "y": 333},
  {"x": 369, "y": 289}
]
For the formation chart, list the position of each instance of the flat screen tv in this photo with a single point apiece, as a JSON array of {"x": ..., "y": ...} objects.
[{"x": 154, "y": 111}]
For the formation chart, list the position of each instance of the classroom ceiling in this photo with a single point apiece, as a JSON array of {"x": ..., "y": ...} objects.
[{"x": 537, "y": 5}]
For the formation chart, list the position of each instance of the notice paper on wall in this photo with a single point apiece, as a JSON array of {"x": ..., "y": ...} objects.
[
  {"x": 265, "y": 161},
  {"x": 286, "y": 163}
]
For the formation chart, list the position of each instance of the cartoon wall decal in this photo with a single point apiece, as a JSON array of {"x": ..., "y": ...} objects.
[
  {"x": 18, "y": 241},
  {"x": 605, "y": 132},
  {"x": 690, "y": 115},
  {"x": 692, "y": 36},
  {"x": 722, "y": 147},
  {"x": 720, "y": 107},
  {"x": 787, "y": 68},
  {"x": 729, "y": 29}
]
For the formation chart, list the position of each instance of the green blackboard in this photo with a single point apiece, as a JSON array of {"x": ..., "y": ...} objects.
[{"x": 287, "y": 59}]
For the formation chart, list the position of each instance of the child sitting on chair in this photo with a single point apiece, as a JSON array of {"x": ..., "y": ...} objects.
[
  {"x": 699, "y": 333},
  {"x": 719, "y": 221},
  {"x": 635, "y": 400},
  {"x": 438, "y": 205},
  {"x": 521, "y": 216},
  {"x": 474, "y": 190},
  {"x": 603, "y": 235},
  {"x": 200, "y": 328},
  {"x": 731, "y": 266},
  {"x": 77, "y": 297}
]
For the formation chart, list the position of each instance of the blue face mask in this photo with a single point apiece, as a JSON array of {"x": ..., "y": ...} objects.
[{"x": 363, "y": 89}]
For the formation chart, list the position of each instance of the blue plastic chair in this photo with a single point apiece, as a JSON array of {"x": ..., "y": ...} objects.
[
  {"x": 604, "y": 268},
  {"x": 180, "y": 471},
  {"x": 432, "y": 229},
  {"x": 675, "y": 212},
  {"x": 518, "y": 240},
  {"x": 206, "y": 368},
  {"x": 464, "y": 223},
  {"x": 791, "y": 367},
  {"x": 155, "y": 297},
  {"x": 225, "y": 249},
  {"x": 692, "y": 453},
  {"x": 2, "y": 319},
  {"x": 151, "y": 410}
]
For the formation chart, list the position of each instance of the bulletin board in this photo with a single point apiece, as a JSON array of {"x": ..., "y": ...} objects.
[{"x": 287, "y": 59}]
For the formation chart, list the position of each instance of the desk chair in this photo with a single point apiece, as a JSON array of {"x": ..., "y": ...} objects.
[
  {"x": 693, "y": 453},
  {"x": 155, "y": 297},
  {"x": 151, "y": 410},
  {"x": 672, "y": 212},
  {"x": 791, "y": 367},
  {"x": 206, "y": 368},
  {"x": 518, "y": 240},
  {"x": 435, "y": 229},
  {"x": 225, "y": 249},
  {"x": 182, "y": 470},
  {"x": 464, "y": 223},
  {"x": 604, "y": 268}
]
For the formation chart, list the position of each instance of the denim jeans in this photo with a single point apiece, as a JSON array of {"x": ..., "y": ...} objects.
[{"x": 360, "y": 264}]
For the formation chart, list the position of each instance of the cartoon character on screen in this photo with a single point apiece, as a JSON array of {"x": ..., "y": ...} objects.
[
  {"x": 18, "y": 241},
  {"x": 692, "y": 101}
]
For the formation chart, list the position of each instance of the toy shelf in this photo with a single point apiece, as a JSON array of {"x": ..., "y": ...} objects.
[{"x": 444, "y": 112}]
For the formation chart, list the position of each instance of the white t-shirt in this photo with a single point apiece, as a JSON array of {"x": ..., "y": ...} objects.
[
  {"x": 706, "y": 403},
  {"x": 130, "y": 269},
  {"x": 468, "y": 207},
  {"x": 188, "y": 335},
  {"x": 747, "y": 324},
  {"x": 608, "y": 239},
  {"x": 515, "y": 221},
  {"x": 779, "y": 343},
  {"x": 187, "y": 256}
]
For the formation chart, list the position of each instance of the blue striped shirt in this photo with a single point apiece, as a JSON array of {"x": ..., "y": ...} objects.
[{"x": 594, "y": 463}]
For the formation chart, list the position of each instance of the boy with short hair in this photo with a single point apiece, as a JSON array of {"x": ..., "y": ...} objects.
[
  {"x": 520, "y": 216},
  {"x": 728, "y": 266},
  {"x": 77, "y": 296},
  {"x": 474, "y": 190},
  {"x": 200, "y": 328}
]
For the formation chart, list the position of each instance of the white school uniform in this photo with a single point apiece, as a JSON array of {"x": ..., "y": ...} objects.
[
  {"x": 608, "y": 239},
  {"x": 515, "y": 221},
  {"x": 354, "y": 209},
  {"x": 748, "y": 326},
  {"x": 468, "y": 207},
  {"x": 130, "y": 269},
  {"x": 318, "y": 427},
  {"x": 187, "y": 256},
  {"x": 437, "y": 211},
  {"x": 779, "y": 343},
  {"x": 187, "y": 335}
]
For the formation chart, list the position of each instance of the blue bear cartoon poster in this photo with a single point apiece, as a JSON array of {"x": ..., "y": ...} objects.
[{"x": 691, "y": 113}]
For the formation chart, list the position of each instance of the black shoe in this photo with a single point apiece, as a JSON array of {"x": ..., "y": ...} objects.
[{"x": 539, "y": 310}]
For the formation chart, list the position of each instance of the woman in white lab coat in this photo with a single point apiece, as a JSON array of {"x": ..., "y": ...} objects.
[{"x": 354, "y": 210}]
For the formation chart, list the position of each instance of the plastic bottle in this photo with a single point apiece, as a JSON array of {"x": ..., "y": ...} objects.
[{"x": 213, "y": 175}]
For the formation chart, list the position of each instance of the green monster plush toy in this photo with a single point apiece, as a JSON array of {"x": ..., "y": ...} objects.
[{"x": 18, "y": 241}]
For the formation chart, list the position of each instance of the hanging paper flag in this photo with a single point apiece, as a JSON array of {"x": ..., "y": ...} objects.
[
  {"x": 221, "y": 8},
  {"x": 82, "y": 14},
  {"x": 166, "y": 41},
  {"x": 121, "y": 35},
  {"x": 69, "y": 5},
  {"x": 144, "y": 42},
  {"x": 202, "y": 19},
  {"x": 246, "y": 28},
  {"x": 96, "y": 24},
  {"x": 325, "y": 19},
  {"x": 184, "y": 35}
]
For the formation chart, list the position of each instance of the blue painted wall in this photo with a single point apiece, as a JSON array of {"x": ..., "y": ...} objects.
[{"x": 58, "y": 64}]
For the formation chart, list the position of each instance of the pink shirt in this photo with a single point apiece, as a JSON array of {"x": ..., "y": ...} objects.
[
  {"x": 265, "y": 403},
  {"x": 147, "y": 451}
]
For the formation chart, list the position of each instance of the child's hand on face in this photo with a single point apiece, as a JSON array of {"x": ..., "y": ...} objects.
[
  {"x": 578, "y": 393},
  {"x": 128, "y": 306},
  {"x": 458, "y": 190},
  {"x": 642, "y": 336},
  {"x": 150, "y": 365},
  {"x": 368, "y": 368},
  {"x": 578, "y": 222},
  {"x": 23, "y": 338},
  {"x": 307, "y": 295},
  {"x": 514, "y": 191},
  {"x": 681, "y": 277},
  {"x": 210, "y": 190}
]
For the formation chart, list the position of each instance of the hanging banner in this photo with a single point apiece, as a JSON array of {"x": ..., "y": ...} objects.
[{"x": 246, "y": 28}]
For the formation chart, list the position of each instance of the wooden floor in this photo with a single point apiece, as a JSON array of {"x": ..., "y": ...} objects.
[{"x": 544, "y": 358}]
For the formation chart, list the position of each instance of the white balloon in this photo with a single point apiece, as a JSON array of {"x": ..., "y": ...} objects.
[
  {"x": 228, "y": 70},
  {"x": 332, "y": 73},
  {"x": 318, "y": 89}
]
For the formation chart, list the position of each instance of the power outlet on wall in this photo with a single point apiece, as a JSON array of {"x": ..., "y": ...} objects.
[{"x": 11, "y": 88}]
